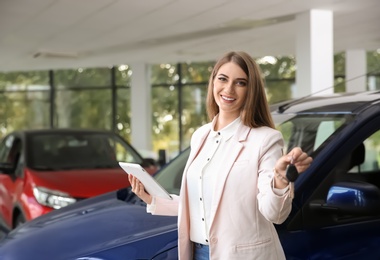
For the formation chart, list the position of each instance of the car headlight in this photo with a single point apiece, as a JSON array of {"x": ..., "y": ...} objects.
[{"x": 52, "y": 198}]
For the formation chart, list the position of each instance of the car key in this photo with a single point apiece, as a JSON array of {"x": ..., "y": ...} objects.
[{"x": 291, "y": 172}]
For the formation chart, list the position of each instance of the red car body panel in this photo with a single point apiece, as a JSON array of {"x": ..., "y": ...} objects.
[
  {"x": 7, "y": 197},
  {"x": 80, "y": 183}
]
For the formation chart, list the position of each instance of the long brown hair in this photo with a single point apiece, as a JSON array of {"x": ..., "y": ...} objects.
[{"x": 255, "y": 111}]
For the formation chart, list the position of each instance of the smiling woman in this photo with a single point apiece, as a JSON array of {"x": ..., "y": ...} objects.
[{"x": 235, "y": 153}]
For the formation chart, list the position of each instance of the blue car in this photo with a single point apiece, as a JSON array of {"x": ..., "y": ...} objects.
[{"x": 335, "y": 213}]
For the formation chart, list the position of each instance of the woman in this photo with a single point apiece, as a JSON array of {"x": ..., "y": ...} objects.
[{"x": 234, "y": 186}]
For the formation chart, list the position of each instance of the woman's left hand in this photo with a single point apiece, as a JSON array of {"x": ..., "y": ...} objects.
[{"x": 297, "y": 157}]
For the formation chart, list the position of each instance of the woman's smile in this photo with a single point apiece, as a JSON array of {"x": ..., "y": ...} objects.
[{"x": 228, "y": 98}]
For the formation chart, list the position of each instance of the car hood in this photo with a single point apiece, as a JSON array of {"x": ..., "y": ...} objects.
[
  {"x": 81, "y": 183},
  {"x": 100, "y": 223}
]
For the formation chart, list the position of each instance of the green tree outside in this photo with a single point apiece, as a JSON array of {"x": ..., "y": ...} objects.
[{"x": 84, "y": 97}]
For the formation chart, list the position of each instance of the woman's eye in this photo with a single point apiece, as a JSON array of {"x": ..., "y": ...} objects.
[
  {"x": 241, "y": 83},
  {"x": 222, "y": 79}
]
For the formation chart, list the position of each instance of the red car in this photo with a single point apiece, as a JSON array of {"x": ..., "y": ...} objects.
[{"x": 42, "y": 170}]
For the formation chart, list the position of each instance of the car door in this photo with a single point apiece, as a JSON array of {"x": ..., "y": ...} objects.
[
  {"x": 10, "y": 151},
  {"x": 320, "y": 231}
]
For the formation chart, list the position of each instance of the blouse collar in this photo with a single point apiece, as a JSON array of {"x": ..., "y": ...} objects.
[{"x": 226, "y": 132}]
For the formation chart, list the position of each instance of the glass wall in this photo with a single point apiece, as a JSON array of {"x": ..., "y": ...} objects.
[
  {"x": 24, "y": 100},
  {"x": 82, "y": 98},
  {"x": 100, "y": 97}
]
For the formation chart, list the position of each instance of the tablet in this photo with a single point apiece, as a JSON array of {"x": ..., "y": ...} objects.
[{"x": 150, "y": 184}]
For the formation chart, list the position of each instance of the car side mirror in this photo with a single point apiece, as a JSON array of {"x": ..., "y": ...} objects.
[{"x": 354, "y": 197}]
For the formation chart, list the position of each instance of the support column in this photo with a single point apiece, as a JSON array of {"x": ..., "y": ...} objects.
[
  {"x": 141, "y": 119},
  {"x": 356, "y": 69},
  {"x": 314, "y": 53}
]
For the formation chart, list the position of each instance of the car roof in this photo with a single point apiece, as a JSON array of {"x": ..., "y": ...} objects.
[{"x": 333, "y": 103}]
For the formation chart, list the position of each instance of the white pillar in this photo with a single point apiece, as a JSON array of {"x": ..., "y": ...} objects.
[
  {"x": 356, "y": 69},
  {"x": 141, "y": 119},
  {"x": 314, "y": 53}
]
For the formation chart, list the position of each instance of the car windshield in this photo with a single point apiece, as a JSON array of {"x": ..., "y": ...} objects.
[
  {"x": 170, "y": 176},
  {"x": 57, "y": 151},
  {"x": 308, "y": 131}
]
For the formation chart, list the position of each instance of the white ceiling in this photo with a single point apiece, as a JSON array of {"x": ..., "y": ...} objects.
[{"x": 50, "y": 34}]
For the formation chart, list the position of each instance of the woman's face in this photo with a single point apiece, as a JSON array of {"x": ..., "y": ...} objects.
[{"x": 230, "y": 88}]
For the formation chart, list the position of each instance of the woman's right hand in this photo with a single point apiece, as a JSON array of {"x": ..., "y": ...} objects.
[{"x": 139, "y": 189}]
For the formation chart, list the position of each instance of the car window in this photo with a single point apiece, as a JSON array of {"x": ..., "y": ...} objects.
[
  {"x": 122, "y": 153},
  {"x": 10, "y": 150},
  {"x": 371, "y": 163},
  {"x": 5, "y": 148},
  {"x": 325, "y": 129},
  {"x": 309, "y": 131},
  {"x": 78, "y": 150}
]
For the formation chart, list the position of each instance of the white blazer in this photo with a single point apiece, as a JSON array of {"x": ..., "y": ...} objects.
[{"x": 244, "y": 205}]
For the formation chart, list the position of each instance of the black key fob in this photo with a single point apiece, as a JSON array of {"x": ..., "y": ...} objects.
[{"x": 291, "y": 173}]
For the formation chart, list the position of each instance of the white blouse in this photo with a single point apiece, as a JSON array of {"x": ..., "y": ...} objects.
[{"x": 201, "y": 179}]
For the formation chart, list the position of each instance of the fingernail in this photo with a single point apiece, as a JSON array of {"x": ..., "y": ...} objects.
[{"x": 291, "y": 159}]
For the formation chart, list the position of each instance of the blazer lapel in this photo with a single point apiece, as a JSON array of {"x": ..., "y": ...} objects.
[
  {"x": 235, "y": 146},
  {"x": 195, "y": 150}
]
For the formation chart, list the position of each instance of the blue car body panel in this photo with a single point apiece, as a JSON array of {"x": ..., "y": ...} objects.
[{"x": 103, "y": 222}]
